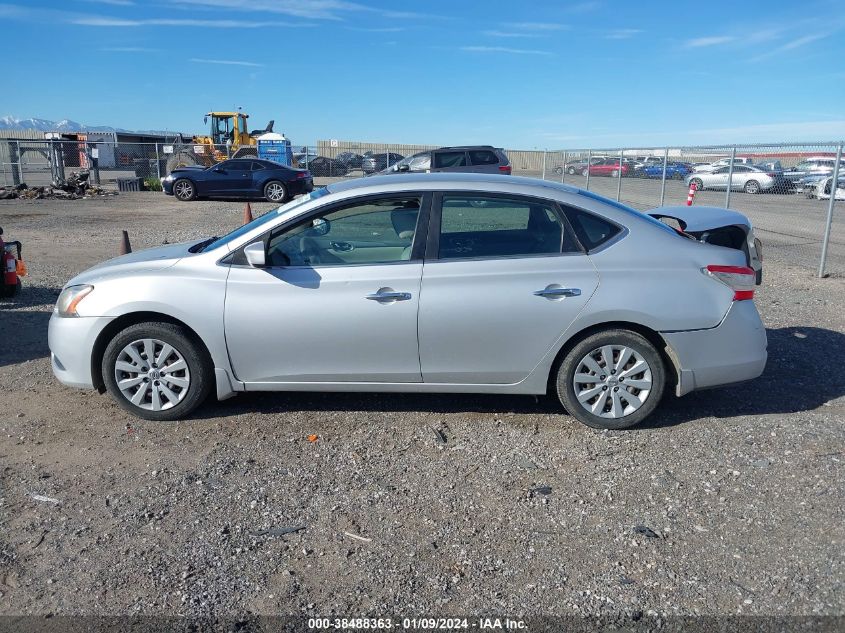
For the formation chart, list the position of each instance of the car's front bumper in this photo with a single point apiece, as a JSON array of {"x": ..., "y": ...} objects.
[
  {"x": 71, "y": 342},
  {"x": 734, "y": 351}
]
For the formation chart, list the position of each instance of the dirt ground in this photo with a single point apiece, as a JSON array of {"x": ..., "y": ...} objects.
[{"x": 728, "y": 501}]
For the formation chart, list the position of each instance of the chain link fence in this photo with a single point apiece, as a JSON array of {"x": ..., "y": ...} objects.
[{"x": 786, "y": 190}]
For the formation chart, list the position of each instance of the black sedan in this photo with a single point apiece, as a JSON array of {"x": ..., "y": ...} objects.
[
  {"x": 238, "y": 178},
  {"x": 350, "y": 160},
  {"x": 331, "y": 167}
]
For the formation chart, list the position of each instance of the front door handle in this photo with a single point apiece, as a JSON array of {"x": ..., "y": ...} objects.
[
  {"x": 388, "y": 295},
  {"x": 557, "y": 292}
]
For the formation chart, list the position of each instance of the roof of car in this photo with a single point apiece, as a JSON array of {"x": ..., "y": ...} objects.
[
  {"x": 458, "y": 147},
  {"x": 431, "y": 181}
]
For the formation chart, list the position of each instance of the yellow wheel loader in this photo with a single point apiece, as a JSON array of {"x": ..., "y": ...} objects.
[{"x": 229, "y": 138}]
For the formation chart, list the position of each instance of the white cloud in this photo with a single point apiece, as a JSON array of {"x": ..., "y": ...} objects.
[
  {"x": 503, "y": 49},
  {"x": 714, "y": 40},
  {"x": 103, "y": 21},
  {"x": 115, "y": 3},
  {"x": 309, "y": 9},
  {"x": 621, "y": 34},
  {"x": 494, "y": 33},
  {"x": 224, "y": 62},
  {"x": 540, "y": 26},
  {"x": 129, "y": 49},
  {"x": 792, "y": 45},
  {"x": 386, "y": 29}
]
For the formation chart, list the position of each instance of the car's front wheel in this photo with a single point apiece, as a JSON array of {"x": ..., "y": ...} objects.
[
  {"x": 156, "y": 371},
  {"x": 611, "y": 380},
  {"x": 184, "y": 190},
  {"x": 585, "y": 172},
  {"x": 275, "y": 191}
]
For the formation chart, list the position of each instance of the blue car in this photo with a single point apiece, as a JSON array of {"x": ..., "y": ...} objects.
[
  {"x": 238, "y": 178},
  {"x": 678, "y": 171}
]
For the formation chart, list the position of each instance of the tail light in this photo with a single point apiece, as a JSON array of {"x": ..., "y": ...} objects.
[
  {"x": 741, "y": 279},
  {"x": 303, "y": 174},
  {"x": 505, "y": 169}
]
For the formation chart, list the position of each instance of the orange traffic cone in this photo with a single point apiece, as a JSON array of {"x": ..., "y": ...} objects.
[
  {"x": 125, "y": 246},
  {"x": 248, "y": 214}
]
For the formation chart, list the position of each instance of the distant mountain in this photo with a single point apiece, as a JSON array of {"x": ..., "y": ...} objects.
[
  {"x": 65, "y": 125},
  {"x": 45, "y": 125}
]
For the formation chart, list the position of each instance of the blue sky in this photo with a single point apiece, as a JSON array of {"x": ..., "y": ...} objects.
[{"x": 513, "y": 74}]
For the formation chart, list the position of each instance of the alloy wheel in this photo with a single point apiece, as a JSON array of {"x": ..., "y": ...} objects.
[
  {"x": 612, "y": 381},
  {"x": 275, "y": 192},
  {"x": 152, "y": 374},
  {"x": 184, "y": 190}
]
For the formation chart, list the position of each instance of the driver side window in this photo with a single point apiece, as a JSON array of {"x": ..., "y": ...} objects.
[{"x": 375, "y": 231}]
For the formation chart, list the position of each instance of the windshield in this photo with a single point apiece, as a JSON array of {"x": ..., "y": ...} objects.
[{"x": 267, "y": 217}]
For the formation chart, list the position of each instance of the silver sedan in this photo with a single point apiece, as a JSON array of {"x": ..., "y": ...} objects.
[
  {"x": 422, "y": 283},
  {"x": 743, "y": 178}
]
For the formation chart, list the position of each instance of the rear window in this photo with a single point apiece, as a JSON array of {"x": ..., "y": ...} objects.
[
  {"x": 450, "y": 159},
  {"x": 483, "y": 157},
  {"x": 591, "y": 230}
]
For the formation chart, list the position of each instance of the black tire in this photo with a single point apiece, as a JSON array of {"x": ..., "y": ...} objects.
[
  {"x": 699, "y": 184},
  {"x": 7, "y": 292},
  {"x": 585, "y": 171},
  {"x": 568, "y": 366},
  {"x": 570, "y": 170},
  {"x": 752, "y": 187},
  {"x": 184, "y": 190},
  {"x": 181, "y": 159},
  {"x": 275, "y": 191},
  {"x": 199, "y": 368}
]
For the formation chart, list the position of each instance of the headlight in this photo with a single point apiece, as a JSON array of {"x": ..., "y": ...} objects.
[
  {"x": 167, "y": 178},
  {"x": 69, "y": 300}
]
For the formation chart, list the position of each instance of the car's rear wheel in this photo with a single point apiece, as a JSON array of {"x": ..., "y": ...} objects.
[
  {"x": 156, "y": 371},
  {"x": 571, "y": 171},
  {"x": 699, "y": 184},
  {"x": 752, "y": 186},
  {"x": 275, "y": 191},
  {"x": 184, "y": 190},
  {"x": 615, "y": 173},
  {"x": 585, "y": 171},
  {"x": 611, "y": 380}
]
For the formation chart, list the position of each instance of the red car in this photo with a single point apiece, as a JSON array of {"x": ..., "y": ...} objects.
[{"x": 607, "y": 167}]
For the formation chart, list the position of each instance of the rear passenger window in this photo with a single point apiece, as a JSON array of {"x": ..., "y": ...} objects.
[
  {"x": 482, "y": 226},
  {"x": 450, "y": 159},
  {"x": 257, "y": 166},
  {"x": 483, "y": 157},
  {"x": 591, "y": 230}
]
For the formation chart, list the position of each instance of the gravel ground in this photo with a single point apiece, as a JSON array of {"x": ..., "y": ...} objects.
[{"x": 728, "y": 502}]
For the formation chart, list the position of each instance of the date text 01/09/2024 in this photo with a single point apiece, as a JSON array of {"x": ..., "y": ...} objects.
[{"x": 417, "y": 624}]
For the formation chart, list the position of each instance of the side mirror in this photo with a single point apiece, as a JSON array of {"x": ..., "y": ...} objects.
[
  {"x": 404, "y": 167},
  {"x": 255, "y": 255},
  {"x": 320, "y": 227},
  {"x": 219, "y": 170}
]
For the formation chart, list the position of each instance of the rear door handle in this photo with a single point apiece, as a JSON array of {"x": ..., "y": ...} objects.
[
  {"x": 556, "y": 292},
  {"x": 388, "y": 295}
]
